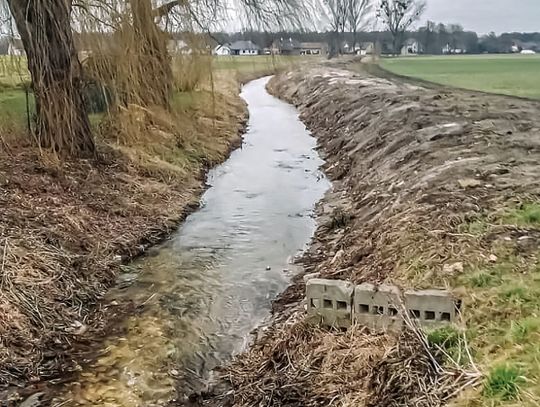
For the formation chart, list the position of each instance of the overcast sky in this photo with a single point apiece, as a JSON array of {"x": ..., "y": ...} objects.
[{"x": 484, "y": 16}]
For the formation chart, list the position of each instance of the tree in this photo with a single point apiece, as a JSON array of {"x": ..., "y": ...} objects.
[
  {"x": 398, "y": 16},
  {"x": 456, "y": 37},
  {"x": 335, "y": 13},
  {"x": 357, "y": 12},
  {"x": 428, "y": 36},
  {"x": 62, "y": 122},
  {"x": 61, "y": 118}
]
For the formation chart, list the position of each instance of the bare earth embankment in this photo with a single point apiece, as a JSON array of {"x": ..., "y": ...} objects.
[
  {"x": 66, "y": 226},
  {"x": 431, "y": 188}
]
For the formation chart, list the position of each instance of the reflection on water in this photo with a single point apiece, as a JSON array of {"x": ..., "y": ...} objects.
[{"x": 201, "y": 293}]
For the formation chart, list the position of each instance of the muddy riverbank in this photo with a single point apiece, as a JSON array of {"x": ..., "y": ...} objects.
[
  {"x": 67, "y": 228},
  {"x": 431, "y": 188}
]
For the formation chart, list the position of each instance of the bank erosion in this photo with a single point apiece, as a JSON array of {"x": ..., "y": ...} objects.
[{"x": 431, "y": 188}]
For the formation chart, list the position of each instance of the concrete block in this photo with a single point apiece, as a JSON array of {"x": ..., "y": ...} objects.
[
  {"x": 310, "y": 276},
  {"x": 378, "y": 307},
  {"x": 432, "y": 308},
  {"x": 330, "y": 301}
]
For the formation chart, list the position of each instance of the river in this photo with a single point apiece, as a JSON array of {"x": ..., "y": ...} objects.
[{"x": 201, "y": 293}]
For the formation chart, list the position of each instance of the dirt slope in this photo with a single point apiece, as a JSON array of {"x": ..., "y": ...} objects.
[{"x": 431, "y": 188}]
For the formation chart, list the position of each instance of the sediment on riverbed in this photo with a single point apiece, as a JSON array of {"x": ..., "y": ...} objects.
[
  {"x": 431, "y": 188},
  {"x": 66, "y": 227}
]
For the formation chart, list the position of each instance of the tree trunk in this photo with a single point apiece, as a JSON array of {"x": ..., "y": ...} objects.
[
  {"x": 396, "y": 43},
  {"x": 61, "y": 118},
  {"x": 153, "y": 71}
]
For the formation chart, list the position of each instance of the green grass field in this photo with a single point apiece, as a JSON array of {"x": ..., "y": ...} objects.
[
  {"x": 517, "y": 75},
  {"x": 13, "y": 73}
]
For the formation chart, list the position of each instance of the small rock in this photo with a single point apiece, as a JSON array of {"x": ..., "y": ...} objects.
[
  {"x": 268, "y": 268},
  {"x": 81, "y": 330},
  {"x": 492, "y": 258},
  {"x": 174, "y": 372},
  {"x": 453, "y": 268},
  {"x": 32, "y": 401},
  {"x": 337, "y": 256},
  {"x": 469, "y": 183}
]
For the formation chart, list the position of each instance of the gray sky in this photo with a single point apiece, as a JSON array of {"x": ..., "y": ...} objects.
[{"x": 484, "y": 16}]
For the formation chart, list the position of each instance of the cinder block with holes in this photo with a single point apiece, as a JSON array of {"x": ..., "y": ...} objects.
[
  {"x": 432, "y": 308},
  {"x": 330, "y": 301},
  {"x": 378, "y": 307}
]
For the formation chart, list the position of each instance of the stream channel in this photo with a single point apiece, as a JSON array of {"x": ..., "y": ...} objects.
[{"x": 202, "y": 292}]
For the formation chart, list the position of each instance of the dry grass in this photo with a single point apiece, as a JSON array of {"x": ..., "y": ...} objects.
[
  {"x": 298, "y": 364},
  {"x": 425, "y": 205},
  {"x": 65, "y": 223}
]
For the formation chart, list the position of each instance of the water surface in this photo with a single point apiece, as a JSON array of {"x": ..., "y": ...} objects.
[{"x": 202, "y": 292}]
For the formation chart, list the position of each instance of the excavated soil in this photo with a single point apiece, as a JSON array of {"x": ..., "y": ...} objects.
[{"x": 412, "y": 169}]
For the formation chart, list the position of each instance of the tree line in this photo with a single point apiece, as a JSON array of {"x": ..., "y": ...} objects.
[{"x": 434, "y": 38}]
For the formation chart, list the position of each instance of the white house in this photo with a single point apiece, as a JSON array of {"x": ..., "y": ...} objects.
[
  {"x": 222, "y": 50},
  {"x": 178, "y": 47},
  {"x": 244, "y": 48},
  {"x": 411, "y": 47}
]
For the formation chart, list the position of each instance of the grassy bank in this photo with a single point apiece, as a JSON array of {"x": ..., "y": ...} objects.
[
  {"x": 517, "y": 75},
  {"x": 431, "y": 189}
]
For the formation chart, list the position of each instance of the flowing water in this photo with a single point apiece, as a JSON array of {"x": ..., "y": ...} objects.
[{"x": 200, "y": 294}]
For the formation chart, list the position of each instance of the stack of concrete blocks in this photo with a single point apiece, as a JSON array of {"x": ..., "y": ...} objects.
[
  {"x": 380, "y": 308},
  {"x": 329, "y": 302}
]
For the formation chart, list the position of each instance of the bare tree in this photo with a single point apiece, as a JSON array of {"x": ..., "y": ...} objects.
[
  {"x": 335, "y": 15},
  {"x": 398, "y": 16},
  {"x": 62, "y": 121},
  {"x": 357, "y": 17}
]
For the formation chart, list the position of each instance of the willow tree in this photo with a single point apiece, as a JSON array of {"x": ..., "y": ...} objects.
[
  {"x": 45, "y": 27},
  {"x": 61, "y": 118}
]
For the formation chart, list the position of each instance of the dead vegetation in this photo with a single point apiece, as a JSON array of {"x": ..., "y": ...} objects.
[
  {"x": 66, "y": 226},
  {"x": 431, "y": 188}
]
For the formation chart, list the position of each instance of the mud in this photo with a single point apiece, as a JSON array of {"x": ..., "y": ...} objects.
[{"x": 411, "y": 168}]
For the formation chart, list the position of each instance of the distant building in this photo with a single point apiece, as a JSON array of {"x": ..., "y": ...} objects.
[
  {"x": 223, "y": 50},
  {"x": 411, "y": 47},
  {"x": 244, "y": 48},
  {"x": 527, "y": 46},
  {"x": 447, "y": 49},
  {"x": 178, "y": 47},
  {"x": 366, "y": 48},
  {"x": 288, "y": 46},
  {"x": 313, "y": 48}
]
